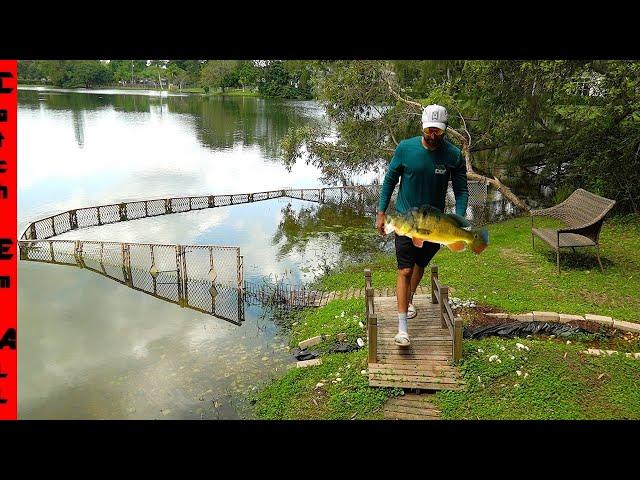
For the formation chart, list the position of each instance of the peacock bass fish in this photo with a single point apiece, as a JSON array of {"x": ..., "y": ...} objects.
[{"x": 429, "y": 224}]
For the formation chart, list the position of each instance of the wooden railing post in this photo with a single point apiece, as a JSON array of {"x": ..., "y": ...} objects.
[
  {"x": 434, "y": 276},
  {"x": 457, "y": 339},
  {"x": 367, "y": 286},
  {"x": 444, "y": 299},
  {"x": 372, "y": 327}
]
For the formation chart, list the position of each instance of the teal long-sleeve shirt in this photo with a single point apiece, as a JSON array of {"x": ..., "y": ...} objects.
[{"x": 425, "y": 176}]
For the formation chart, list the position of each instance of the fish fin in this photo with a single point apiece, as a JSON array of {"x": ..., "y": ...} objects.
[
  {"x": 456, "y": 246},
  {"x": 461, "y": 221},
  {"x": 417, "y": 242}
]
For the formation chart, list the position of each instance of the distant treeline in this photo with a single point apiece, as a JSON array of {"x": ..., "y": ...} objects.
[{"x": 271, "y": 78}]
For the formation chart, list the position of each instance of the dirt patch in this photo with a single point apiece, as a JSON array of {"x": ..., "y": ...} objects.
[{"x": 477, "y": 316}]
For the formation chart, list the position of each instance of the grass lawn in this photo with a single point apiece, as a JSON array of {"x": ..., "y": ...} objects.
[
  {"x": 560, "y": 383},
  {"x": 512, "y": 276}
]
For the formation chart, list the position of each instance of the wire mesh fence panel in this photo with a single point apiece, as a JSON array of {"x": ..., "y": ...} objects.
[
  {"x": 112, "y": 260},
  {"x": 87, "y": 217},
  {"x": 64, "y": 252},
  {"x": 165, "y": 268},
  {"x": 62, "y": 223},
  {"x": 228, "y": 304},
  {"x": 140, "y": 262},
  {"x": 155, "y": 207},
  {"x": 311, "y": 195},
  {"x": 222, "y": 200},
  {"x": 135, "y": 210},
  {"x": 257, "y": 197},
  {"x": 37, "y": 251},
  {"x": 240, "y": 198},
  {"x": 198, "y": 203},
  {"x": 275, "y": 194},
  {"x": 92, "y": 256},
  {"x": 180, "y": 205},
  {"x": 476, "y": 207},
  {"x": 44, "y": 228},
  {"x": 109, "y": 214}
]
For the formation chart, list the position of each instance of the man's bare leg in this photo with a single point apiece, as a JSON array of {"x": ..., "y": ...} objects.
[
  {"x": 418, "y": 272},
  {"x": 403, "y": 286}
]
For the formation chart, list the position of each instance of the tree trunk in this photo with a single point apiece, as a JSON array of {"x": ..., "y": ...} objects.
[{"x": 495, "y": 182}]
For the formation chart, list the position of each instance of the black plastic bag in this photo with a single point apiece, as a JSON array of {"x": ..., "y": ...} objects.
[
  {"x": 304, "y": 354},
  {"x": 522, "y": 329},
  {"x": 343, "y": 347}
]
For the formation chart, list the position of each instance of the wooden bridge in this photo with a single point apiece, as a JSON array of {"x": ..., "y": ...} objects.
[{"x": 436, "y": 341}]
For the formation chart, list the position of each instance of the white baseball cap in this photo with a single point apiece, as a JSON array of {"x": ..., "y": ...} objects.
[{"x": 435, "y": 116}]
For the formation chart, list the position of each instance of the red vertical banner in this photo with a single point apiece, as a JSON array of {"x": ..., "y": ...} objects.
[{"x": 8, "y": 240}]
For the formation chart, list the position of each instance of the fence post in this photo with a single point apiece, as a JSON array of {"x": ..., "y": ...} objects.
[
  {"x": 73, "y": 219},
  {"x": 53, "y": 226},
  {"x": 122, "y": 212},
  {"x": 179, "y": 275},
  {"x": 444, "y": 299},
  {"x": 434, "y": 276},
  {"x": 211, "y": 201},
  {"x": 457, "y": 339},
  {"x": 167, "y": 205},
  {"x": 322, "y": 195},
  {"x": 99, "y": 219},
  {"x": 126, "y": 265},
  {"x": 32, "y": 229},
  {"x": 367, "y": 286},
  {"x": 77, "y": 253}
]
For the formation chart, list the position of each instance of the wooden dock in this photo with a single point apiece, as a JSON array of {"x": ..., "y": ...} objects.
[{"x": 436, "y": 341}]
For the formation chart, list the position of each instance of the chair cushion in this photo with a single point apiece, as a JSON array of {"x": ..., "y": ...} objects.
[{"x": 550, "y": 236}]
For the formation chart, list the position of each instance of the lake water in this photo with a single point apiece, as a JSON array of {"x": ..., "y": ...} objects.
[{"x": 93, "y": 348}]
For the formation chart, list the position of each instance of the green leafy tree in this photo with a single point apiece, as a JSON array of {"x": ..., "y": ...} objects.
[
  {"x": 218, "y": 74},
  {"x": 517, "y": 122}
]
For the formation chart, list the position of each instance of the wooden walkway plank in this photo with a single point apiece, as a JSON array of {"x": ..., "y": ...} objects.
[{"x": 427, "y": 363}]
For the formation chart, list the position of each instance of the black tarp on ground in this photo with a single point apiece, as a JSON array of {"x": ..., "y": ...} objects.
[{"x": 522, "y": 329}]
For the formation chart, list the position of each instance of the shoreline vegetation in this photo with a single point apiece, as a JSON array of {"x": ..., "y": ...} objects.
[
  {"x": 553, "y": 379},
  {"x": 234, "y": 92}
]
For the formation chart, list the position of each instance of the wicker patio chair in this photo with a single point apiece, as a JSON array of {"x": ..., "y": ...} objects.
[{"x": 583, "y": 213}]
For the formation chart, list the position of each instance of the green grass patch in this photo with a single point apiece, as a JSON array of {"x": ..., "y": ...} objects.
[
  {"x": 295, "y": 395},
  {"x": 513, "y": 276},
  {"x": 237, "y": 93},
  {"x": 560, "y": 383}
]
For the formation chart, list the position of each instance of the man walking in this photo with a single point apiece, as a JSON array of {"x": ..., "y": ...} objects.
[{"x": 424, "y": 164}]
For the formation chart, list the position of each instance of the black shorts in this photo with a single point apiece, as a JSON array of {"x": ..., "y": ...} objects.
[{"x": 408, "y": 254}]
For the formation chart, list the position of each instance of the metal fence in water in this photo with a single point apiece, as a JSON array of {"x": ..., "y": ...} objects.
[
  {"x": 359, "y": 197},
  {"x": 176, "y": 273},
  {"x": 205, "y": 278}
]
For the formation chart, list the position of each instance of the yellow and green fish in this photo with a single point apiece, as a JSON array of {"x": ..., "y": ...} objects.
[{"x": 429, "y": 224}]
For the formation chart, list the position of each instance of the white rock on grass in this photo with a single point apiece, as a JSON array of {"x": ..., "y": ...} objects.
[
  {"x": 363, "y": 372},
  {"x": 493, "y": 357},
  {"x": 480, "y": 350},
  {"x": 319, "y": 385},
  {"x": 361, "y": 325},
  {"x": 360, "y": 342},
  {"x": 518, "y": 372},
  {"x": 520, "y": 346}
]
